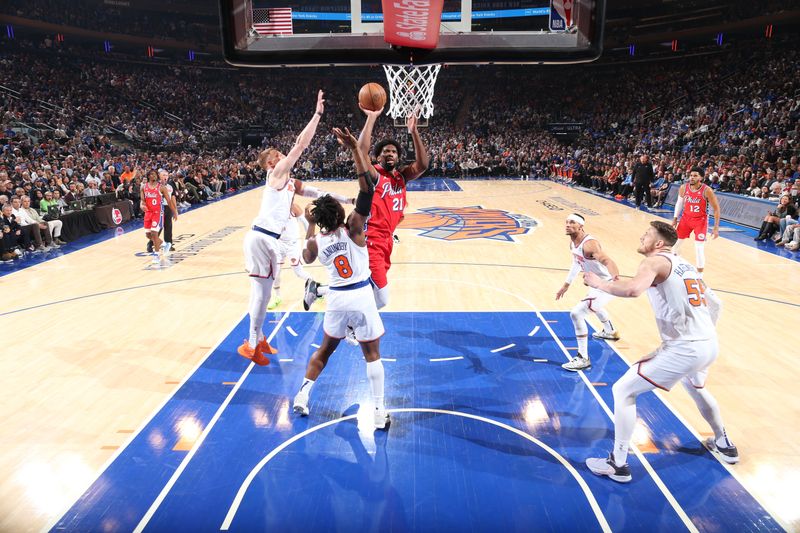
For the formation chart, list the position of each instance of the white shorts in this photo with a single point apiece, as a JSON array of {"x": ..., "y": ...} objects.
[
  {"x": 355, "y": 308},
  {"x": 289, "y": 250},
  {"x": 675, "y": 360},
  {"x": 260, "y": 254},
  {"x": 597, "y": 299}
]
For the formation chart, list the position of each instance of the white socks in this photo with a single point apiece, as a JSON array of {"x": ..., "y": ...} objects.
[{"x": 375, "y": 377}]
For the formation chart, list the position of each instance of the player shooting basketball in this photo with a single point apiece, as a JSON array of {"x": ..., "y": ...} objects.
[{"x": 388, "y": 203}]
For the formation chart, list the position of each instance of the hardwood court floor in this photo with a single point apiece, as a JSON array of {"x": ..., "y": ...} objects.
[{"x": 96, "y": 340}]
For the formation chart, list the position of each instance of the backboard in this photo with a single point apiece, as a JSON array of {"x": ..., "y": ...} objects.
[{"x": 350, "y": 32}]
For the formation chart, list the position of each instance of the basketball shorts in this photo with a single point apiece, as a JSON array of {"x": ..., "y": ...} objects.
[
  {"x": 289, "y": 250},
  {"x": 260, "y": 254},
  {"x": 152, "y": 221},
  {"x": 675, "y": 360},
  {"x": 380, "y": 259},
  {"x": 697, "y": 225},
  {"x": 597, "y": 299},
  {"x": 355, "y": 308}
]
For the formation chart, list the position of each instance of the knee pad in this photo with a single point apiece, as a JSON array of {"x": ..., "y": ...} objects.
[{"x": 578, "y": 315}]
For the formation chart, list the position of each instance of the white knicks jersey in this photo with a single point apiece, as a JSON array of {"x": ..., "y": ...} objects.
[
  {"x": 276, "y": 206},
  {"x": 347, "y": 263},
  {"x": 680, "y": 304},
  {"x": 588, "y": 265}
]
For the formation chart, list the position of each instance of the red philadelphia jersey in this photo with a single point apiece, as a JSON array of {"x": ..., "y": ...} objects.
[
  {"x": 152, "y": 198},
  {"x": 694, "y": 203},
  {"x": 388, "y": 203}
]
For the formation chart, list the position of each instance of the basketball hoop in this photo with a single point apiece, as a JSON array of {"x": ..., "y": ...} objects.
[{"x": 411, "y": 90}]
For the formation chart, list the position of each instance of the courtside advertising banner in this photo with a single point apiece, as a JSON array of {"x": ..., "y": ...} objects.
[{"x": 561, "y": 16}]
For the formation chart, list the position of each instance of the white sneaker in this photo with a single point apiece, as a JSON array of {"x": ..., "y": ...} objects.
[
  {"x": 156, "y": 259},
  {"x": 382, "y": 420},
  {"x": 166, "y": 247},
  {"x": 578, "y": 362},
  {"x": 603, "y": 335},
  {"x": 350, "y": 336},
  {"x": 607, "y": 467},
  {"x": 300, "y": 405},
  {"x": 794, "y": 245}
]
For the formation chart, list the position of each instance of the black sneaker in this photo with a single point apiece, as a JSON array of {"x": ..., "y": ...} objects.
[
  {"x": 149, "y": 247},
  {"x": 728, "y": 454},
  {"x": 607, "y": 467},
  {"x": 310, "y": 295}
]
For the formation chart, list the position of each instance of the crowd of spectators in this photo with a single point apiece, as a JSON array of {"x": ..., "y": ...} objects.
[{"x": 734, "y": 113}]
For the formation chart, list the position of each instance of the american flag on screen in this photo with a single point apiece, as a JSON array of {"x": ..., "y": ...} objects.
[{"x": 273, "y": 21}]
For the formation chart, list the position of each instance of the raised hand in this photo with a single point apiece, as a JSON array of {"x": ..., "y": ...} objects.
[
  {"x": 346, "y": 138},
  {"x": 320, "y": 102},
  {"x": 370, "y": 113}
]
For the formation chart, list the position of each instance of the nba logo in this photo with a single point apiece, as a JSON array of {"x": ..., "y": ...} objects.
[{"x": 560, "y": 15}]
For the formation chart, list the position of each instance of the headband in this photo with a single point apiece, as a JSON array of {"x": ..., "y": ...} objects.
[{"x": 576, "y": 218}]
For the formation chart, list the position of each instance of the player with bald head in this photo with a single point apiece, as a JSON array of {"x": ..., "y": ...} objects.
[{"x": 587, "y": 256}]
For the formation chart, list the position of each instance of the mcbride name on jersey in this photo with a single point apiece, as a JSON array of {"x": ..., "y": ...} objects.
[{"x": 388, "y": 203}]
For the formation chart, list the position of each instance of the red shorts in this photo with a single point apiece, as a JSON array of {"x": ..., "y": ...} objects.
[
  {"x": 698, "y": 225},
  {"x": 380, "y": 260},
  {"x": 152, "y": 220}
]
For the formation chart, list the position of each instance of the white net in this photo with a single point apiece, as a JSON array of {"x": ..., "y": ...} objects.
[{"x": 411, "y": 89}]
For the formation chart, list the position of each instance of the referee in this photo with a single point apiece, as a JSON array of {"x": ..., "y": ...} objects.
[{"x": 643, "y": 176}]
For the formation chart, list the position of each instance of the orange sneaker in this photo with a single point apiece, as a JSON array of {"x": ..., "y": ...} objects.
[
  {"x": 266, "y": 347},
  {"x": 254, "y": 354}
]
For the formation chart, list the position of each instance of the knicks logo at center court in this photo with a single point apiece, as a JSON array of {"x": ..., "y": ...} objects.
[{"x": 474, "y": 222}]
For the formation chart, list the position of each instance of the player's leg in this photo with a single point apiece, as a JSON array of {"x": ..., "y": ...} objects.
[
  {"x": 625, "y": 391},
  {"x": 578, "y": 316},
  {"x": 333, "y": 326},
  {"x": 261, "y": 262},
  {"x": 369, "y": 329},
  {"x": 694, "y": 384},
  {"x": 379, "y": 262},
  {"x": 700, "y": 233},
  {"x": 598, "y": 306},
  {"x": 276, "y": 299}
]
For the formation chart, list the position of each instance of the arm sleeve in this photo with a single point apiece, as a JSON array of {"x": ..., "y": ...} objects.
[
  {"x": 678, "y": 207},
  {"x": 573, "y": 272},
  {"x": 312, "y": 192}
]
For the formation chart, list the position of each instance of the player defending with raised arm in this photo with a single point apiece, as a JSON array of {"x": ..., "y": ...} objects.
[
  {"x": 686, "y": 312},
  {"x": 691, "y": 209},
  {"x": 261, "y": 247},
  {"x": 388, "y": 202},
  {"x": 152, "y": 194},
  {"x": 342, "y": 249},
  {"x": 587, "y": 256}
]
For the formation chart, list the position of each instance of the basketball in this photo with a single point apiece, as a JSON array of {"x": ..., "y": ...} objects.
[{"x": 372, "y": 96}]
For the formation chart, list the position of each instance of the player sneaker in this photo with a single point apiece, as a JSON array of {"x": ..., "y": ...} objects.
[
  {"x": 254, "y": 354},
  {"x": 166, "y": 247},
  {"x": 310, "y": 295},
  {"x": 728, "y": 454},
  {"x": 300, "y": 405},
  {"x": 607, "y": 467},
  {"x": 603, "y": 335},
  {"x": 382, "y": 420},
  {"x": 275, "y": 302},
  {"x": 265, "y": 347},
  {"x": 350, "y": 336},
  {"x": 578, "y": 362},
  {"x": 156, "y": 259}
]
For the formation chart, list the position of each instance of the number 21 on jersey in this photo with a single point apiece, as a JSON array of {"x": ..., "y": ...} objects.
[{"x": 397, "y": 204}]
